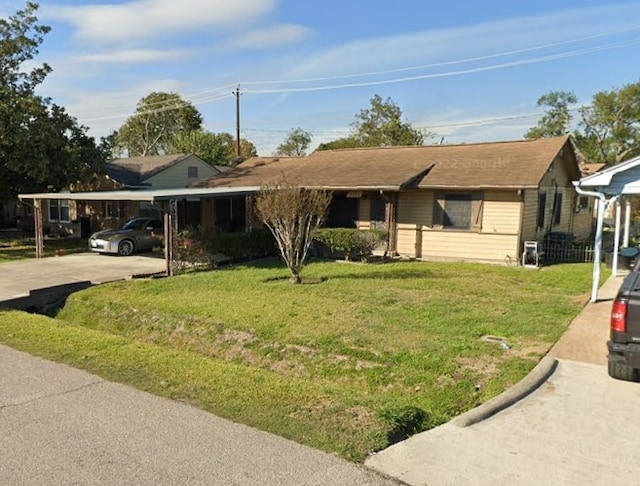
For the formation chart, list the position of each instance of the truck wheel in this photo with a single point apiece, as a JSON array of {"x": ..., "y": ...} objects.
[{"x": 621, "y": 371}]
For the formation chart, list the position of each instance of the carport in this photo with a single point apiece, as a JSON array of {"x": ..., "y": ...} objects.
[
  {"x": 164, "y": 199},
  {"x": 612, "y": 186}
]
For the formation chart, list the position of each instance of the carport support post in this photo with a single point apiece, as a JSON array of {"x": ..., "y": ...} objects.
[
  {"x": 627, "y": 221},
  {"x": 616, "y": 240},
  {"x": 168, "y": 240},
  {"x": 39, "y": 231}
]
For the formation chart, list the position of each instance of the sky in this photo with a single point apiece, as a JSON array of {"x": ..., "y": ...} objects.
[{"x": 465, "y": 71}]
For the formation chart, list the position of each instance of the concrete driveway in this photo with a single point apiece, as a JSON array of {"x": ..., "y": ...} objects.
[
  {"x": 21, "y": 277},
  {"x": 579, "y": 427}
]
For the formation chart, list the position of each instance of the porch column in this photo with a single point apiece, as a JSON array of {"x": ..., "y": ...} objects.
[
  {"x": 391, "y": 208},
  {"x": 170, "y": 220},
  {"x": 616, "y": 240},
  {"x": 38, "y": 227},
  {"x": 627, "y": 221},
  {"x": 248, "y": 213}
]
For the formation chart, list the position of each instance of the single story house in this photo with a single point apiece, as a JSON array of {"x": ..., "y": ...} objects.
[
  {"x": 472, "y": 202},
  {"x": 65, "y": 216}
]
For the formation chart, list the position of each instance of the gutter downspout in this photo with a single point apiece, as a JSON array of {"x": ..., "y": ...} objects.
[{"x": 598, "y": 240}]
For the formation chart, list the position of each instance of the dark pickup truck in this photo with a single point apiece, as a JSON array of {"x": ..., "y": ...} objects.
[{"x": 624, "y": 343}]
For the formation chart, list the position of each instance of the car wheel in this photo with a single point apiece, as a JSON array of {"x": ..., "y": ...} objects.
[
  {"x": 621, "y": 371},
  {"x": 126, "y": 248}
]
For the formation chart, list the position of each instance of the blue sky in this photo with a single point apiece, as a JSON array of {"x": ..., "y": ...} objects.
[{"x": 468, "y": 71}]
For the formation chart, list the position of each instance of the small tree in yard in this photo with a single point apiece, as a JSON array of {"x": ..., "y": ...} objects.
[{"x": 292, "y": 214}]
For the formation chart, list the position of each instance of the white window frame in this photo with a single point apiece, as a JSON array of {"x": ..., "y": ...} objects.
[{"x": 55, "y": 210}]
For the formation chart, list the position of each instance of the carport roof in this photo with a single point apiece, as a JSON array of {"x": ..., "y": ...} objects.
[{"x": 145, "y": 195}]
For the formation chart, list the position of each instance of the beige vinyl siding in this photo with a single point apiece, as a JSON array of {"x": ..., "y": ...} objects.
[
  {"x": 178, "y": 174},
  {"x": 498, "y": 238},
  {"x": 530, "y": 215},
  {"x": 415, "y": 209},
  {"x": 450, "y": 245},
  {"x": 364, "y": 210}
]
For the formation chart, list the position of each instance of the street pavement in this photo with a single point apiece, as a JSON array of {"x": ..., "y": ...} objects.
[
  {"x": 579, "y": 427},
  {"x": 58, "y": 425},
  {"x": 63, "y": 426}
]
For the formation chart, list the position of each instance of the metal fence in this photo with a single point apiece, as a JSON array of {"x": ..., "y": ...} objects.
[{"x": 576, "y": 253}]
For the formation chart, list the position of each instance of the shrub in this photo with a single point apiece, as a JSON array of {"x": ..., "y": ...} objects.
[
  {"x": 349, "y": 243},
  {"x": 203, "y": 247}
]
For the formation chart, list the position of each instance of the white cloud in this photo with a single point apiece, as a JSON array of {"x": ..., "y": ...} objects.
[
  {"x": 133, "y": 56},
  {"x": 464, "y": 42},
  {"x": 275, "y": 36},
  {"x": 143, "y": 19}
]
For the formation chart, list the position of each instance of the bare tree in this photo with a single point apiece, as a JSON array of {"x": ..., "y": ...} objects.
[{"x": 292, "y": 214}]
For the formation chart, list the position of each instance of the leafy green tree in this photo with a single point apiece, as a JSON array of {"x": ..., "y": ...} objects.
[
  {"x": 380, "y": 125},
  {"x": 158, "y": 119},
  {"x": 213, "y": 148},
  {"x": 340, "y": 143},
  {"x": 40, "y": 144},
  {"x": 609, "y": 127},
  {"x": 296, "y": 143},
  {"x": 557, "y": 118}
]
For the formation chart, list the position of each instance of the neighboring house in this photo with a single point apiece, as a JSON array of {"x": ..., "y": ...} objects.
[
  {"x": 474, "y": 202},
  {"x": 62, "y": 216}
]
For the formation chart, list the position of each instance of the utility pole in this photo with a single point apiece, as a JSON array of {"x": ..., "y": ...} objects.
[{"x": 237, "y": 95}]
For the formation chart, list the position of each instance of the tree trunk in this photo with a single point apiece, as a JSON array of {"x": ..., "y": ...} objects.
[{"x": 295, "y": 278}]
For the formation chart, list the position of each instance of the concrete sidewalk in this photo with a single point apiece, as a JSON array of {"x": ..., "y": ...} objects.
[
  {"x": 578, "y": 428},
  {"x": 585, "y": 339}
]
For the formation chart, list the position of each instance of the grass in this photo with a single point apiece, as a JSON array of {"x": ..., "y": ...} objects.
[
  {"x": 359, "y": 357},
  {"x": 23, "y": 248}
]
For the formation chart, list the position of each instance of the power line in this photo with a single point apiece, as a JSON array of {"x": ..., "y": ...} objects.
[{"x": 444, "y": 63}]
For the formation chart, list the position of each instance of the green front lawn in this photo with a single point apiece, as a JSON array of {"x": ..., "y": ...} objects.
[
  {"x": 340, "y": 363},
  {"x": 22, "y": 248}
]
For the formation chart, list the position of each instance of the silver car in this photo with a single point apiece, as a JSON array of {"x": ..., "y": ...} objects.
[{"x": 137, "y": 234}]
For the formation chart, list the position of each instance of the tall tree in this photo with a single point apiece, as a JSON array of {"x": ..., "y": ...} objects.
[
  {"x": 159, "y": 117},
  {"x": 40, "y": 144},
  {"x": 557, "y": 118},
  {"x": 296, "y": 143},
  {"x": 609, "y": 127},
  {"x": 213, "y": 148},
  {"x": 380, "y": 125}
]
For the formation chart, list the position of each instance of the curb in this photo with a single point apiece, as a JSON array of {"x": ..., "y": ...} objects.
[{"x": 542, "y": 371}]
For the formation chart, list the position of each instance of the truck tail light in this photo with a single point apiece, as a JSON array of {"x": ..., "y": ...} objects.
[{"x": 619, "y": 316}]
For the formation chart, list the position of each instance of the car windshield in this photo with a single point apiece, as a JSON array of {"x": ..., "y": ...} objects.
[{"x": 136, "y": 224}]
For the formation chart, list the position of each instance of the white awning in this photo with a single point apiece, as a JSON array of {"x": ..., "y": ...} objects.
[{"x": 152, "y": 195}]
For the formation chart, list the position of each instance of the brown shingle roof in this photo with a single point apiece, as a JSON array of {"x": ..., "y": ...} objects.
[{"x": 517, "y": 164}]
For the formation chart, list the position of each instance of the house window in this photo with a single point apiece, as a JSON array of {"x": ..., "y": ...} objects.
[
  {"x": 377, "y": 212},
  {"x": 59, "y": 210},
  {"x": 192, "y": 172},
  {"x": 231, "y": 214},
  {"x": 458, "y": 210},
  {"x": 557, "y": 208},
  {"x": 542, "y": 207},
  {"x": 113, "y": 209},
  {"x": 584, "y": 202}
]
